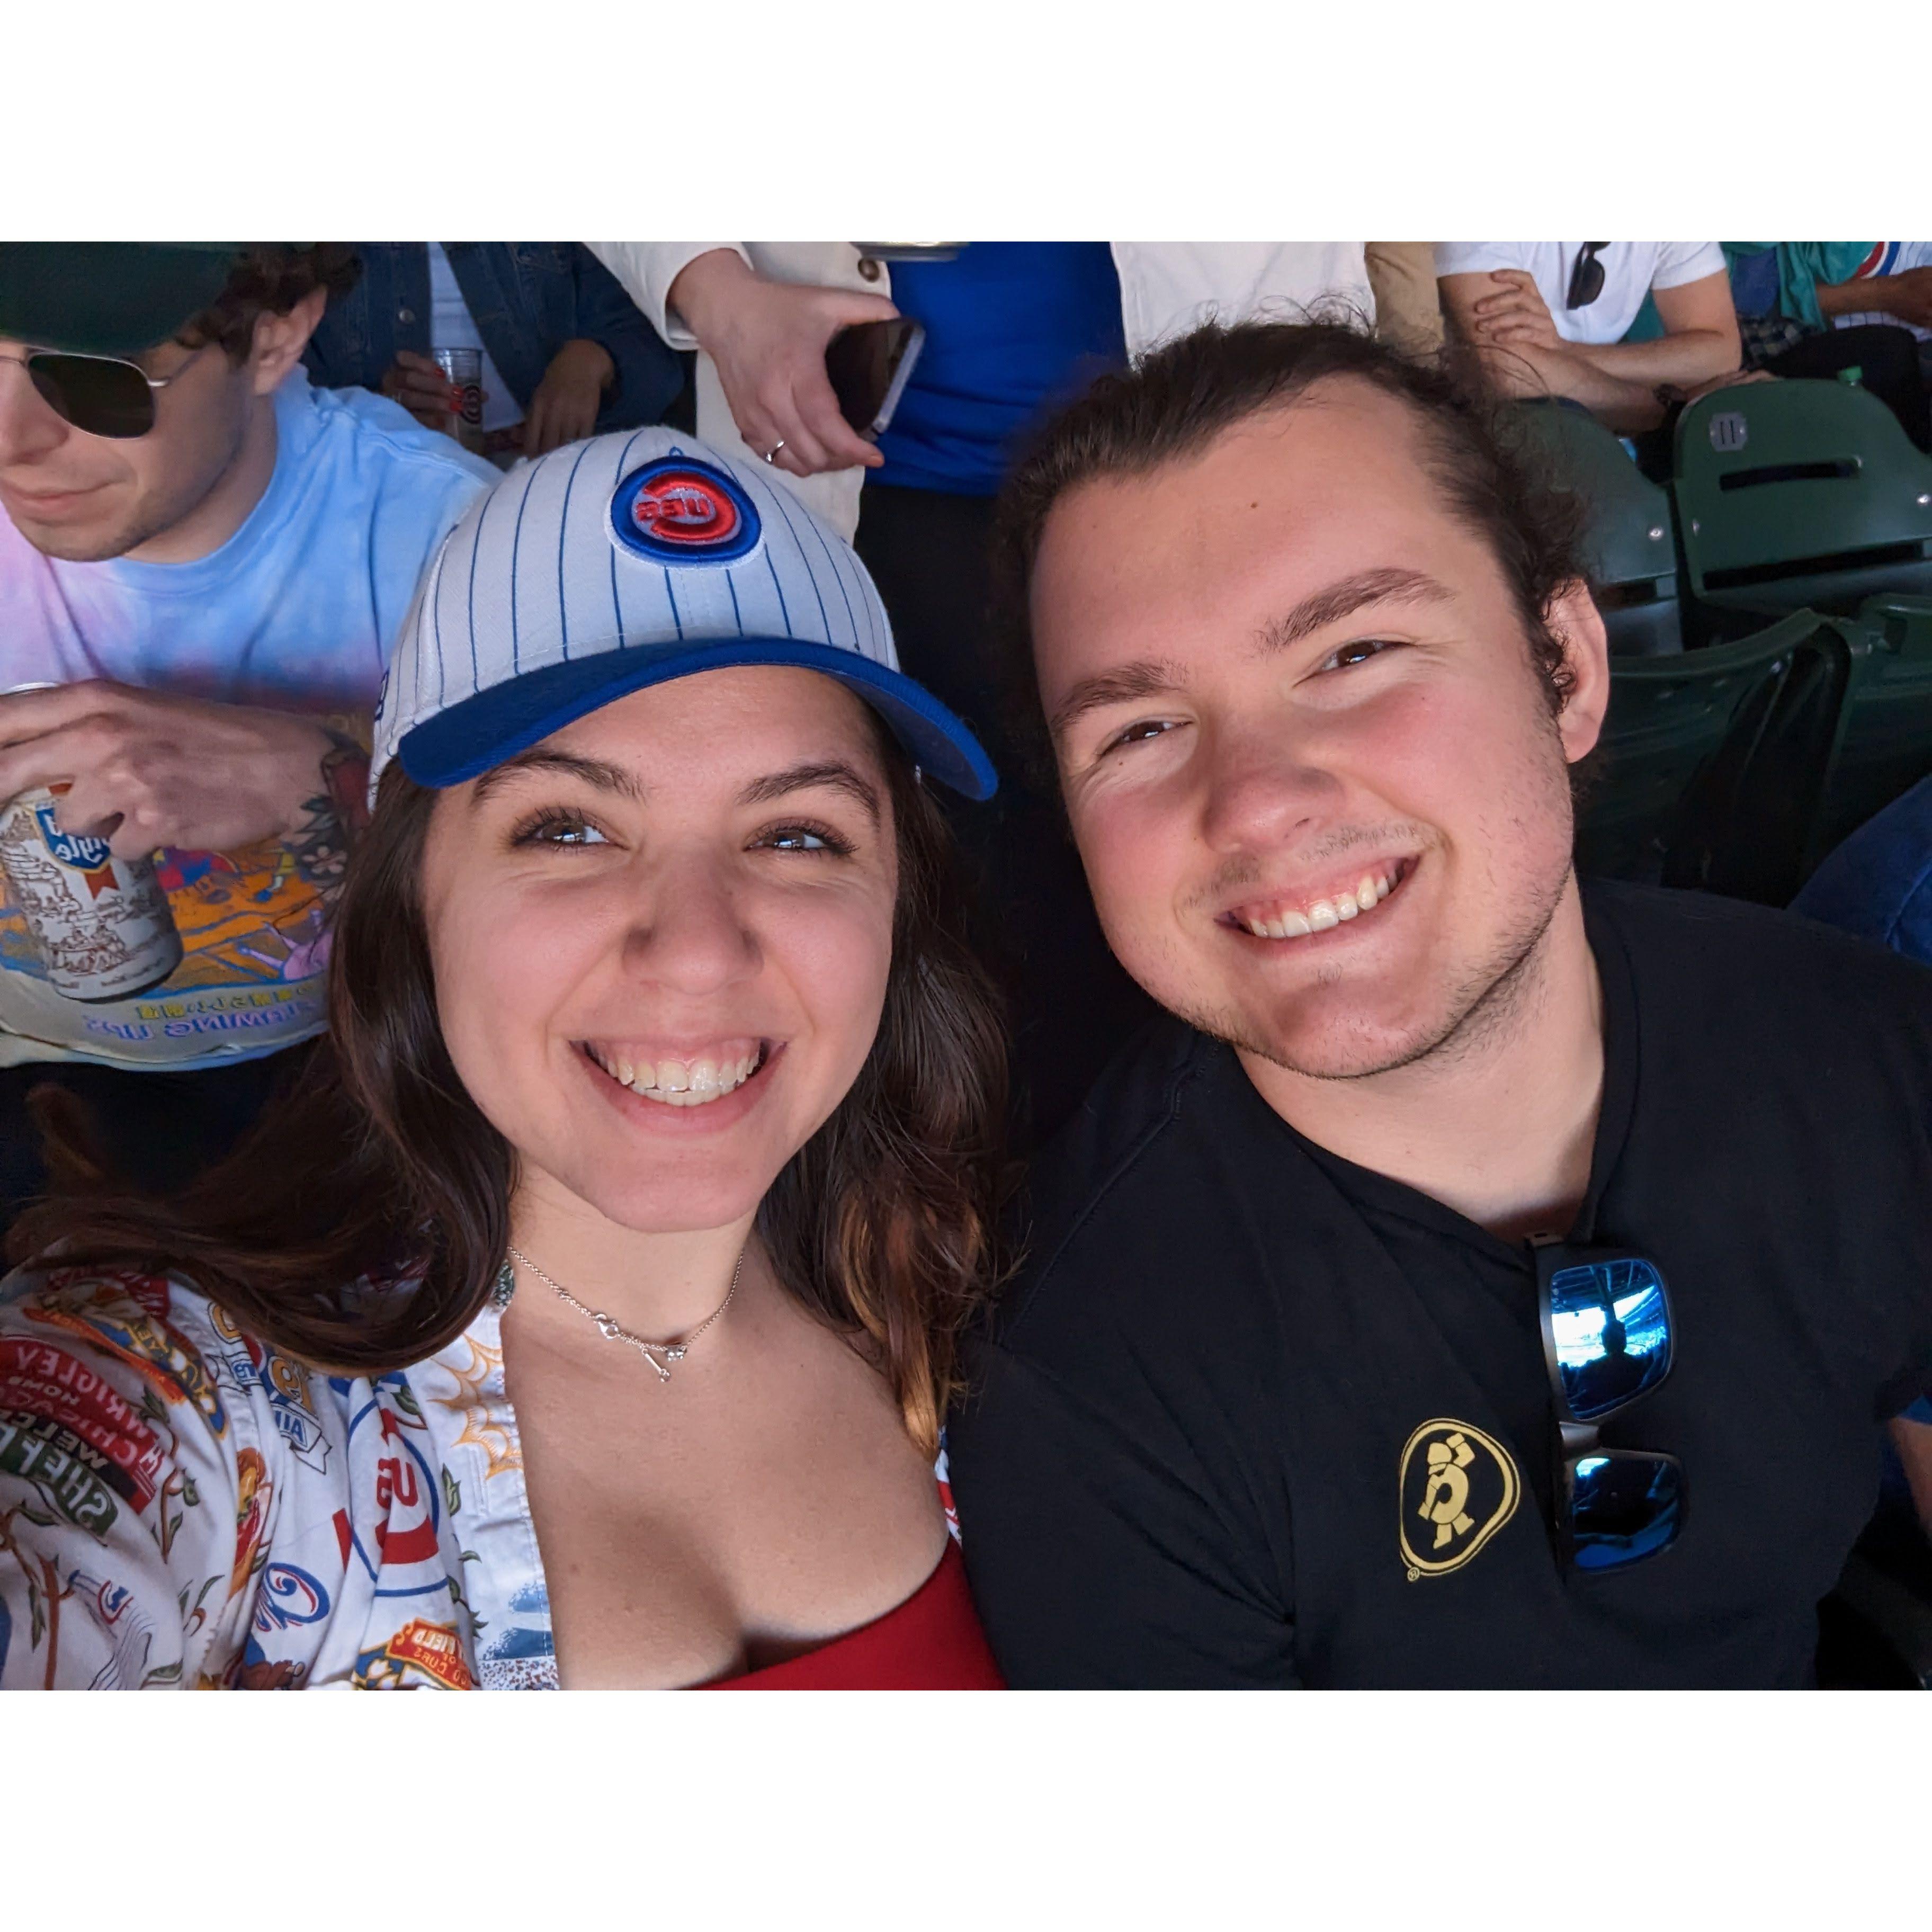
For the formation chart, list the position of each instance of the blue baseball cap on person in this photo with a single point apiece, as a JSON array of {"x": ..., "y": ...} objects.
[{"x": 623, "y": 562}]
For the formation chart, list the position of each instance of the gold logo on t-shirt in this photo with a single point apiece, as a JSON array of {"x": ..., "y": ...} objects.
[{"x": 1458, "y": 1487}]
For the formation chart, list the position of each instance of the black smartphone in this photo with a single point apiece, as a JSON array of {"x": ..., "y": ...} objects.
[{"x": 868, "y": 364}]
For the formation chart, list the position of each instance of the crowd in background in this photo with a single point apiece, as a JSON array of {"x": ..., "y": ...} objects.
[{"x": 241, "y": 556}]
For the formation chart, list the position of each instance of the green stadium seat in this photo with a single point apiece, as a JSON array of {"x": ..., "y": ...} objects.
[
  {"x": 1713, "y": 764},
  {"x": 1886, "y": 744},
  {"x": 1797, "y": 495},
  {"x": 1632, "y": 561}
]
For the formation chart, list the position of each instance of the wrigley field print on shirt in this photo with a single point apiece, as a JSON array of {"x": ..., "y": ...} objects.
[{"x": 1458, "y": 1487}]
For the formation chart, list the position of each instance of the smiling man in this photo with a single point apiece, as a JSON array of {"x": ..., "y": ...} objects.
[{"x": 1482, "y": 1280}]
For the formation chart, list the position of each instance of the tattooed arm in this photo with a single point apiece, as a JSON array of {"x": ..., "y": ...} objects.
[
  {"x": 334, "y": 817},
  {"x": 160, "y": 769}
]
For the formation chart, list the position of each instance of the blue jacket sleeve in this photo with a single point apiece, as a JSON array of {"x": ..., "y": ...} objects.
[{"x": 648, "y": 372}]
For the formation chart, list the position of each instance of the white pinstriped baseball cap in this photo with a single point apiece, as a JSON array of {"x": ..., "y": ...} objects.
[{"x": 623, "y": 562}]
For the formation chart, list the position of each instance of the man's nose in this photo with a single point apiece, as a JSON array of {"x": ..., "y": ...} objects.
[
  {"x": 688, "y": 934},
  {"x": 29, "y": 429},
  {"x": 1263, "y": 784}
]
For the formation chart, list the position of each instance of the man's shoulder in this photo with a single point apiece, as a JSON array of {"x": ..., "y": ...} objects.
[
  {"x": 1703, "y": 959},
  {"x": 1105, "y": 1181},
  {"x": 1710, "y": 938},
  {"x": 375, "y": 435}
]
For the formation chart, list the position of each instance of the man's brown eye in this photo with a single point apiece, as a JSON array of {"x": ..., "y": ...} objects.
[{"x": 1350, "y": 654}]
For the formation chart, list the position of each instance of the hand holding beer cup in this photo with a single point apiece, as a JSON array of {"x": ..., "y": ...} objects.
[
  {"x": 422, "y": 386},
  {"x": 144, "y": 769}
]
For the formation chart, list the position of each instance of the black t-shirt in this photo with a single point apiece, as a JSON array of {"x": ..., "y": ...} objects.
[{"x": 1189, "y": 1455}]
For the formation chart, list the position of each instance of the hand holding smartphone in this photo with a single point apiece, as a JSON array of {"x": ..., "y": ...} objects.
[{"x": 868, "y": 365}]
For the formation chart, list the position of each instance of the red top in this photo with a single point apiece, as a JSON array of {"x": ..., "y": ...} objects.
[{"x": 932, "y": 1642}]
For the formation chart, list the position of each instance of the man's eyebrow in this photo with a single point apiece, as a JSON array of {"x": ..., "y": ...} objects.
[
  {"x": 1343, "y": 599},
  {"x": 594, "y": 771},
  {"x": 1145, "y": 677},
  {"x": 833, "y": 771}
]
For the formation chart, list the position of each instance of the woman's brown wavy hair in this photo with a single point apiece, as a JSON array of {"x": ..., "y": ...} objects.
[{"x": 378, "y": 1168}]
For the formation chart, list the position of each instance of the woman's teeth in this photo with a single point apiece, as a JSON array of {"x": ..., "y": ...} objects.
[
  {"x": 679, "y": 1083},
  {"x": 1370, "y": 890}
]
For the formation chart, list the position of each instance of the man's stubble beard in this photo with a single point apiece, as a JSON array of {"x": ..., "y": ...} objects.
[
  {"x": 152, "y": 516},
  {"x": 1491, "y": 1000}
]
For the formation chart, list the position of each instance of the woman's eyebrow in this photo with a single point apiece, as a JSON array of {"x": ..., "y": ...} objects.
[
  {"x": 592, "y": 771},
  {"x": 833, "y": 772}
]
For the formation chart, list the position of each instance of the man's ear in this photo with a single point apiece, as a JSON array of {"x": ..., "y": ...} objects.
[
  {"x": 1576, "y": 623},
  {"x": 280, "y": 340}
]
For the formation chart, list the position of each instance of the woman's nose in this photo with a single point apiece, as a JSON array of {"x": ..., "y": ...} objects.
[{"x": 687, "y": 931}]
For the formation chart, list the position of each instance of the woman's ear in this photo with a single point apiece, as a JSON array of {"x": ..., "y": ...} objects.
[{"x": 1576, "y": 623}]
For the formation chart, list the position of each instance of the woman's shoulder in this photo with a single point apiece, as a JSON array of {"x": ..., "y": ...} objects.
[{"x": 143, "y": 1435}]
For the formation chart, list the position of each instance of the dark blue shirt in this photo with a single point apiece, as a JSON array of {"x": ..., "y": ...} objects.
[{"x": 1011, "y": 328}]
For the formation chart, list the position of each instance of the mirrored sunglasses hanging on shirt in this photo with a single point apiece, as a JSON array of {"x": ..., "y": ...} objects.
[
  {"x": 1608, "y": 1340},
  {"x": 1586, "y": 276},
  {"x": 100, "y": 395}
]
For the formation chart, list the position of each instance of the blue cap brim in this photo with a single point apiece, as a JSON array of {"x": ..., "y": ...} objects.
[{"x": 471, "y": 737}]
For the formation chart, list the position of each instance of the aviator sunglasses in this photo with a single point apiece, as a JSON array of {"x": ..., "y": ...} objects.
[
  {"x": 1586, "y": 278},
  {"x": 1608, "y": 1340},
  {"x": 100, "y": 395}
]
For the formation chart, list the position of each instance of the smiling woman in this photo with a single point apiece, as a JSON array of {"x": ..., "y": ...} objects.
[{"x": 650, "y": 1024}]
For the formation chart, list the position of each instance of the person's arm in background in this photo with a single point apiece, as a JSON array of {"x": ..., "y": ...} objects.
[
  {"x": 1502, "y": 315},
  {"x": 765, "y": 337},
  {"x": 646, "y": 375},
  {"x": 1408, "y": 306},
  {"x": 166, "y": 770},
  {"x": 1906, "y": 298}
]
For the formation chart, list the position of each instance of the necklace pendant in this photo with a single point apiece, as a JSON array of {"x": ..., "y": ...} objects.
[
  {"x": 664, "y": 1374},
  {"x": 675, "y": 1354}
]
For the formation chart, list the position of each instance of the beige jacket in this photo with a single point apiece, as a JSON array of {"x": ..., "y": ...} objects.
[{"x": 1166, "y": 289}]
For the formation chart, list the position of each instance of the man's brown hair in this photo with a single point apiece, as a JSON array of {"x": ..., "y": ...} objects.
[
  {"x": 1173, "y": 402},
  {"x": 269, "y": 278}
]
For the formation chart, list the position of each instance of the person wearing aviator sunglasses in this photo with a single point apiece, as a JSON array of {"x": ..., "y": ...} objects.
[
  {"x": 1548, "y": 318},
  {"x": 1482, "y": 1278},
  {"x": 202, "y": 563}
]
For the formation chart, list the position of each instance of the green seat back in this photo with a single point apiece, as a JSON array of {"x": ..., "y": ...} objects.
[
  {"x": 1627, "y": 538},
  {"x": 1712, "y": 765},
  {"x": 1887, "y": 743},
  {"x": 1791, "y": 493}
]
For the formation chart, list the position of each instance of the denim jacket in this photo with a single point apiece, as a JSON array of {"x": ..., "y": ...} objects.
[{"x": 528, "y": 299}]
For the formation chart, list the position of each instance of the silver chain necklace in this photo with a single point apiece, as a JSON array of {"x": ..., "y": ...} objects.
[{"x": 614, "y": 1331}]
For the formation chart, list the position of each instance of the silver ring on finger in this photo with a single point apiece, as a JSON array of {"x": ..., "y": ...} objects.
[{"x": 775, "y": 449}]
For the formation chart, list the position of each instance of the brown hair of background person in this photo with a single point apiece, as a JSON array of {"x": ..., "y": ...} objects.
[
  {"x": 269, "y": 278},
  {"x": 1175, "y": 402},
  {"x": 380, "y": 1171}
]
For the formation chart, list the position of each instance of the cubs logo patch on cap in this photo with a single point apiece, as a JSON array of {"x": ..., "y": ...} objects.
[
  {"x": 678, "y": 512},
  {"x": 611, "y": 564}
]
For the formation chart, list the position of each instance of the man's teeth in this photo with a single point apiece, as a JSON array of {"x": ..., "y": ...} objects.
[
  {"x": 679, "y": 1083},
  {"x": 1370, "y": 890}
]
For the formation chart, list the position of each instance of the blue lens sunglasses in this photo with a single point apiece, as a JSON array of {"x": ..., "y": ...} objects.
[{"x": 1608, "y": 1340}]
